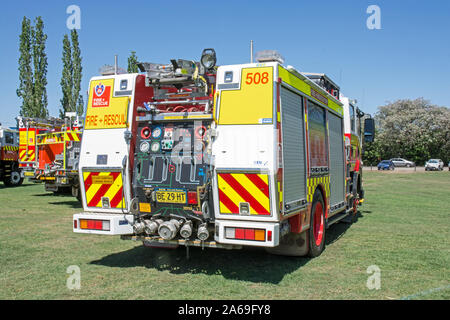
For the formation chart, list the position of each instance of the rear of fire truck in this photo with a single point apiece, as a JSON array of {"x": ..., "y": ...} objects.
[
  {"x": 58, "y": 155},
  {"x": 10, "y": 173},
  {"x": 172, "y": 173},
  {"x": 163, "y": 149},
  {"x": 105, "y": 165},
  {"x": 28, "y": 129}
]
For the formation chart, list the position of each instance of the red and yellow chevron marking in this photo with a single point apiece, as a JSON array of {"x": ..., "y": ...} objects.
[
  {"x": 103, "y": 184},
  {"x": 26, "y": 157},
  {"x": 252, "y": 188},
  {"x": 72, "y": 136}
]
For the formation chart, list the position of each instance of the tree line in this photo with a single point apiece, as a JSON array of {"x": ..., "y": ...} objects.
[
  {"x": 33, "y": 71},
  {"x": 415, "y": 130}
]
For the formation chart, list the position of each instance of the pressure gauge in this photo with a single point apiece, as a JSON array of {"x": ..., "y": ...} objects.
[
  {"x": 156, "y": 146},
  {"x": 156, "y": 133},
  {"x": 144, "y": 147}
]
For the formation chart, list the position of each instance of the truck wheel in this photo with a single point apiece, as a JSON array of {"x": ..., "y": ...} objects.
[
  {"x": 317, "y": 226},
  {"x": 14, "y": 180}
]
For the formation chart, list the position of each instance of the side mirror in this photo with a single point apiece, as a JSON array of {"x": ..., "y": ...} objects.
[{"x": 369, "y": 130}]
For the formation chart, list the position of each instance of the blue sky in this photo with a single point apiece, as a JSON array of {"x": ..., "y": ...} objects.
[{"x": 408, "y": 58}]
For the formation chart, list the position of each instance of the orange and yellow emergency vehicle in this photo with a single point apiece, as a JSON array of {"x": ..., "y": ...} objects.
[
  {"x": 197, "y": 155},
  {"x": 49, "y": 151}
]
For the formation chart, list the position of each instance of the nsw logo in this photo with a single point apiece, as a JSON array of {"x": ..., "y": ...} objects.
[{"x": 99, "y": 89}]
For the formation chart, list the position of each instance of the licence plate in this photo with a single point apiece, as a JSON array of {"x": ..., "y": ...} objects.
[{"x": 171, "y": 196}]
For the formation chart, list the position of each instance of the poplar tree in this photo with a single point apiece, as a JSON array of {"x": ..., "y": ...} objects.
[
  {"x": 132, "y": 63},
  {"x": 25, "y": 90},
  {"x": 66, "y": 79},
  {"x": 40, "y": 101},
  {"x": 77, "y": 99},
  {"x": 72, "y": 100}
]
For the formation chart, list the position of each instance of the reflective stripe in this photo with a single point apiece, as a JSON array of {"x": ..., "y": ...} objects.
[
  {"x": 96, "y": 191},
  {"x": 237, "y": 188}
]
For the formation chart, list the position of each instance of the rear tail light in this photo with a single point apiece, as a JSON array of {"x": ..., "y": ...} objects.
[
  {"x": 269, "y": 235},
  {"x": 89, "y": 224},
  {"x": 246, "y": 234},
  {"x": 75, "y": 224},
  {"x": 192, "y": 197}
]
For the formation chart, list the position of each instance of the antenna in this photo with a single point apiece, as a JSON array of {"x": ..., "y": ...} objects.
[
  {"x": 115, "y": 64},
  {"x": 251, "y": 51}
]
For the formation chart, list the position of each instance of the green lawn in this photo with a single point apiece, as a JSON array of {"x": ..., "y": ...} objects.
[{"x": 403, "y": 228}]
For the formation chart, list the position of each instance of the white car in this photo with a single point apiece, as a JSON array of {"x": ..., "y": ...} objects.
[
  {"x": 399, "y": 162},
  {"x": 434, "y": 164}
]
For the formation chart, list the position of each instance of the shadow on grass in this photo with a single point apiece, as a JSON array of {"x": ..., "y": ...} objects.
[
  {"x": 2, "y": 186},
  {"x": 71, "y": 200},
  {"x": 71, "y": 203},
  {"x": 249, "y": 264}
]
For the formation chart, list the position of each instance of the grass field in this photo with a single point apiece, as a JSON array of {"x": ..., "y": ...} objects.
[{"x": 403, "y": 228}]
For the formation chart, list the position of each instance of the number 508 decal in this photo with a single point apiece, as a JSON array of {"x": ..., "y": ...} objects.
[{"x": 257, "y": 78}]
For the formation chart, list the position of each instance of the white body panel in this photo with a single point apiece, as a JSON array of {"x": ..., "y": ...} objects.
[
  {"x": 274, "y": 227},
  {"x": 110, "y": 142},
  {"x": 119, "y": 224},
  {"x": 245, "y": 148}
]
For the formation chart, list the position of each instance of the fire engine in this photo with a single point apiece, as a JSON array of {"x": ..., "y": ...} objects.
[
  {"x": 353, "y": 148},
  {"x": 49, "y": 151},
  {"x": 192, "y": 154},
  {"x": 10, "y": 173}
]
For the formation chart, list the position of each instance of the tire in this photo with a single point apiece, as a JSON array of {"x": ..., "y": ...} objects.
[
  {"x": 317, "y": 226},
  {"x": 14, "y": 180}
]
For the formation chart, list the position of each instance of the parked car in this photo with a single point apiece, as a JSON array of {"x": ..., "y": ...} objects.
[
  {"x": 399, "y": 162},
  {"x": 386, "y": 165},
  {"x": 434, "y": 164}
]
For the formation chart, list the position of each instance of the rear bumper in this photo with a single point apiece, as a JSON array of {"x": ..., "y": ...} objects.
[
  {"x": 119, "y": 224},
  {"x": 272, "y": 233}
]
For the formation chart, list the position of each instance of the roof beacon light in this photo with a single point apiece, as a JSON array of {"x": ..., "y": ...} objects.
[{"x": 269, "y": 56}]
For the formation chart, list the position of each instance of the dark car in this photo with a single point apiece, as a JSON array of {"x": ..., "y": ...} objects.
[{"x": 386, "y": 165}]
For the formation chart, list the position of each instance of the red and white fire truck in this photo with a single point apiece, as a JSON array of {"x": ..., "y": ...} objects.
[
  {"x": 192, "y": 154},
  {"x": 10, "y": 173}
]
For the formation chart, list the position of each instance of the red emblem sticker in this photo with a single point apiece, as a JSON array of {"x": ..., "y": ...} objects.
[{"x": 101, "y": 95}]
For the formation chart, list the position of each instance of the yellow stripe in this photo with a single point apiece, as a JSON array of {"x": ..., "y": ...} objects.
[
  {"x": 229, "y": 191},
  {"x": 224, "y": 208},
  {"x": 114, "y": 188},
  {"x": 254, "y": 190},
  {"x": 90, "y": 193}
]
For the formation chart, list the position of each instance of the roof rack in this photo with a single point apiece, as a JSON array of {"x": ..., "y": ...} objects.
[{"x": 325, "y": 82}]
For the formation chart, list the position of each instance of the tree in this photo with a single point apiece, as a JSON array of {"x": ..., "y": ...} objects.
[
  {"x": 411, "y": 129},
  {"x": 132, "y": 63},
  {"x": 25, "y": 90},
  {"x": 72, "y": 100},
  {"x": 66, "y": 78},
  {"x": 77, "y": 99},
  {"x": 40, "y": 101}
]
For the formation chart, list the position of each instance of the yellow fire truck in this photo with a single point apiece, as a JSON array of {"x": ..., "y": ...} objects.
[
  {"x": 264, "y": 166},
  {"x": 49, "y": 151}
]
